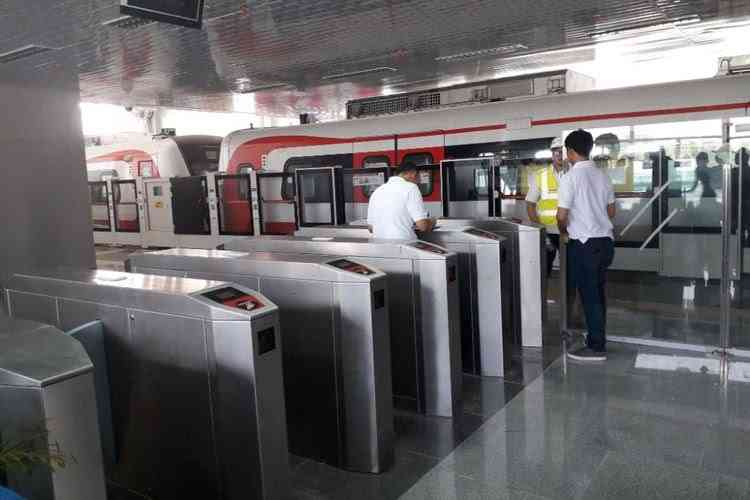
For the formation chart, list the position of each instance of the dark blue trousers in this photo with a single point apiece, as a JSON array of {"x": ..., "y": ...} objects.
[{"x": 587, "y": 266}]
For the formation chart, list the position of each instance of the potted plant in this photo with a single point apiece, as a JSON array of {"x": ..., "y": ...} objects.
[{"x": 26, "y": 453}]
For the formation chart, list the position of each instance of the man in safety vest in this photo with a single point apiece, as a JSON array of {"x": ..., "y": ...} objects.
[{"x": 541, "y": 200}]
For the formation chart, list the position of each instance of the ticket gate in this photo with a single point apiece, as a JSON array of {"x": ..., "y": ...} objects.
[
  {"x": 47, "y": 395},
  {"x": 486, "y": 308},
  {"x": 423, "y": 309},
  {"x": 337, "y": 368},
  {"x": 195, "y": 377},
  {"x": 527, "y": 256}
]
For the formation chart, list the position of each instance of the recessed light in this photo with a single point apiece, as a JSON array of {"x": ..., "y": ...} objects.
[
  {"x": 505, "y": 49},
  {"x": 379, "y": 69},
  {"x": 23, "y": 52}
]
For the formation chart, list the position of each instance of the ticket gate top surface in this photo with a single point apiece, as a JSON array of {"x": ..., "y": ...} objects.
[
  {"x": 351, "y": 231},
  {"x": 213, "y": 300},
  {"x": 328, "y": 268},
  {"x": 342, "y": 244},
  {"x": 36, "y": 355}
]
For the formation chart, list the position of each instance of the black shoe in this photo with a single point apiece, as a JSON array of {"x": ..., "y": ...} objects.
[{"x": 587, "y": 354}]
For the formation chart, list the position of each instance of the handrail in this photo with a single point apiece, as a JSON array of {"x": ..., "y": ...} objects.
[{"x": 645, "y": 207}]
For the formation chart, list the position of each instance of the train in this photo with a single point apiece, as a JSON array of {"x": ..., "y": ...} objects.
[
  {"x": 663, "y": 146},
  {"x": 140, "y": 155}
]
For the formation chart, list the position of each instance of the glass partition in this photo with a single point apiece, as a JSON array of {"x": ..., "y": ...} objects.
[
  {"x": 99, "y": 199},
  {"x": 234, "y": 202},
  {"x": 359, "y": 184},
  {"x": 276, "y": 212},
  {"x": 126, "y": 207},
  {"x": 664, "y": 284}
]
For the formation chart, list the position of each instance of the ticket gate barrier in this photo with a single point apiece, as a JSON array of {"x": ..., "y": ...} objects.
[
  {"x": 486, "y": 310},
  {"x": 195, "y": 378},
  {"x": 337, "y": 368},
  {"x": 423, "y": 309},
  {"x": 527, "y": 255},
  {"x": 47, "y": 398}
]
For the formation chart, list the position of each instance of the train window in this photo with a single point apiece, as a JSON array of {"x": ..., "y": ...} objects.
[
  {"x": 426, "y": 179},
  {"x": 418, "y": 159},
  {"x": 200, "y": 158},
  {"x": 376, "y": 161}
]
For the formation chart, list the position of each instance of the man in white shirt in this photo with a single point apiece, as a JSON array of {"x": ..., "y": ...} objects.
[
  {"x": 396, "y": 207},
  {"x": 586, "y": 207}
]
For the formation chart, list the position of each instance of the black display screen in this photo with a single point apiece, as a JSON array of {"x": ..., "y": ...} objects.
[
  {"x": 378, "y": 299},
  {"x": 183, "y": 12},
  {"x": 352, "y": 267},
  {"x": 266, "y": 341},
  {"x": 223, "y": 295},
  {"x": 451, "y": 274}
]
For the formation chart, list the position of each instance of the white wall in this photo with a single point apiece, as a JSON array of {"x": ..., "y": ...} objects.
[{"x": 44, "y": 201}]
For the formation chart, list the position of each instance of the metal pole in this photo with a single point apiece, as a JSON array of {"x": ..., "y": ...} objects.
[{"x": 726, "y": 248}]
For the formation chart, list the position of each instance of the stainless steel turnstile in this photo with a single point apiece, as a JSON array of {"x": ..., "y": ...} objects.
[
  {"x": 195, "y": 375},
  {"x": 486, "y": 310},
  {"x": 337, "y": 368},
  {"x": 47, "y": 397},
  {"x": 423, "y": 309},
  {"x": 527, "y": 258}
]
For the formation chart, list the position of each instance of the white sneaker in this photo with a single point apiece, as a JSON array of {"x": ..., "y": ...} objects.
[{"x": 587, "y": 354}]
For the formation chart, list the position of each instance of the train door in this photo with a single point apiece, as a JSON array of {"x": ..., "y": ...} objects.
[
  {"x": 190, "y": 211},
  {"x": 277, "y": 203},
  {"x": 358, "y": 185},
  {"x": 469, "y": 187},
  {"x": 158, "y": 205},
  {"x": 320, "y": 196}
]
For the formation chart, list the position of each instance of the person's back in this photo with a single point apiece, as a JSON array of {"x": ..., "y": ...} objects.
[{"x": 396, "y": 206}]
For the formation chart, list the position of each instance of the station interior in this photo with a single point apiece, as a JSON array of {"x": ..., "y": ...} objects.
[{"x": 193, "y": 304}]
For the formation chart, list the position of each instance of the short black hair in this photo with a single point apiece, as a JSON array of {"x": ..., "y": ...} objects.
[
  {"x": 580, "y": 141},
  {"x": 702, "y": 156},
  {"x": 406, "y": 168}
]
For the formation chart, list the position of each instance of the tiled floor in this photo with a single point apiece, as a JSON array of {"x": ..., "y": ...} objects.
[
  {"x": 647, "y": 424},
  {"x": 422, "y": 442}
]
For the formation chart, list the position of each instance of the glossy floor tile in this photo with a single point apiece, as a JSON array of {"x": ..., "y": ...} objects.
[{"x": 647, "y": 424}]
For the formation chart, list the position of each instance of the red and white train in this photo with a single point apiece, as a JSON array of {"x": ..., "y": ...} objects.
[{"x": 647, "y": 137}]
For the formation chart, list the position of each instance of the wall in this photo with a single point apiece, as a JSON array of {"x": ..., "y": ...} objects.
[{"x": 44, "y": 209}]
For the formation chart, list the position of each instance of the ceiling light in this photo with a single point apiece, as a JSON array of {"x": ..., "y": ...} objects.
[
  {"x": 244, "y": 88},
  {"x": 505, "y": 49},
  {"x": 23, "y": 52},
  {"x": 369, "y": 71}
]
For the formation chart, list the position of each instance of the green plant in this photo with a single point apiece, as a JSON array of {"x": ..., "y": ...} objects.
[{"x": 30, "y": 451}]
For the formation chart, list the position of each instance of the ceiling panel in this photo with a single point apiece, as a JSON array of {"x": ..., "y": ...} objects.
[{"x": 296, "y": 46}]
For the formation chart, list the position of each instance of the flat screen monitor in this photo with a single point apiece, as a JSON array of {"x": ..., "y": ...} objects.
[{"x": 183, "y": 12}]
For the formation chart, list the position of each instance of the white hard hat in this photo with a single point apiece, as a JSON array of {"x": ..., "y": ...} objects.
[{"x": 557, "y": 143}]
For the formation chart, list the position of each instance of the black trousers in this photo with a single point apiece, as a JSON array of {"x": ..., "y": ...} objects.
[{"x": 587, "y": 265}]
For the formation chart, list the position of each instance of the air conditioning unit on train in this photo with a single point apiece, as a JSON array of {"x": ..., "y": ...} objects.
[
  {"x": 501, "y": 89},
  {"x": 734, "y": 65}
]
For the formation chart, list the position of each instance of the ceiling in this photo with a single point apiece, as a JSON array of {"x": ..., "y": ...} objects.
[{"x": 312, "y": 56}]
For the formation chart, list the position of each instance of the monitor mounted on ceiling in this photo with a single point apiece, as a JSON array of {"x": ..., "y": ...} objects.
[{"x": 183, "y": 12}]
